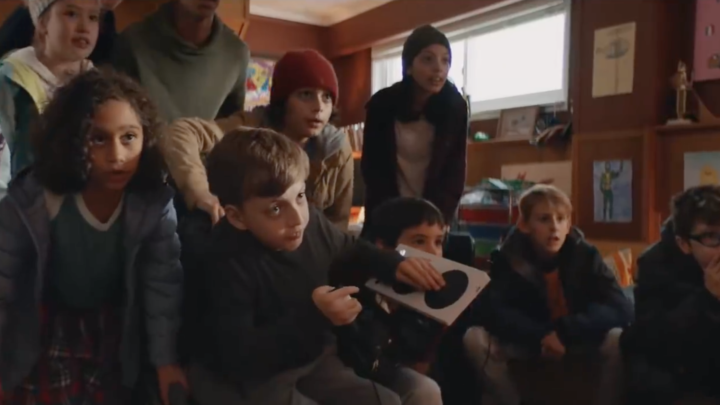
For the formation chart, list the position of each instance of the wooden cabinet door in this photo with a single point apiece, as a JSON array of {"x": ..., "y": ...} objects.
[{"x": 707, "y": 40}]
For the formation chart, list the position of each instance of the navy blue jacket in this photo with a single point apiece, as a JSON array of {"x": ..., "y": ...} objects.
[{"x": 513, "y": 307}]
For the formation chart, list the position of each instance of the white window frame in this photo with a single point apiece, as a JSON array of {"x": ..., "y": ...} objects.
[{"x": 486, "y": 20}]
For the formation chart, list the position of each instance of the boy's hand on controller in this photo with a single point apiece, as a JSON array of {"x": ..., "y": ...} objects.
[
  {"x": 420, "y": 274},
  {"x": 167, "y": 376},
  {"x": 552, "y": 347},
  {"x": 337, "y": 304},
  {"x": 712, "y": 276}
]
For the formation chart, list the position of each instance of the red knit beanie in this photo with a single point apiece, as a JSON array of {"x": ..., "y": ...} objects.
[{"x": 302, "y": 69}]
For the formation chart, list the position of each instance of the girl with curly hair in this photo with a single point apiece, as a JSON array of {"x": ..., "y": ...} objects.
[
  {"x": 65, "y": 34},
  {"x": 89, "y": 256}
]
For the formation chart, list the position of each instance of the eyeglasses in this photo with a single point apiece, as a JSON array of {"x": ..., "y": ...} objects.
[{"x": 707, "y": 239}]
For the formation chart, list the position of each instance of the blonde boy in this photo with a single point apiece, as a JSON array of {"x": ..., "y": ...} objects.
[{"x": 551, "y": 295}]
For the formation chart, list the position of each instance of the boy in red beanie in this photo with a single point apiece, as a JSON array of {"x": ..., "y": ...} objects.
[{"x": 303, "y": 97}]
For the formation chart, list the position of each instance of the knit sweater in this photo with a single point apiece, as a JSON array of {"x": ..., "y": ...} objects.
[{"x": 185, "y": 80}]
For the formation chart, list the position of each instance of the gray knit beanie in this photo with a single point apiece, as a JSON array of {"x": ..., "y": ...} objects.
[{"x": 420, "y": 39}]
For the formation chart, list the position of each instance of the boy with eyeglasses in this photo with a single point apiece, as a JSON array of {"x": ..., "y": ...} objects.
[{"x": 673, "y": 349}]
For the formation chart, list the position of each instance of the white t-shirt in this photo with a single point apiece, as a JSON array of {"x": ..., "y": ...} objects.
[{"x": 414, "y": 142}]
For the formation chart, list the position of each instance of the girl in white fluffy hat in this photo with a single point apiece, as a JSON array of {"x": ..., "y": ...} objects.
[{"x": 65, "y": 34}]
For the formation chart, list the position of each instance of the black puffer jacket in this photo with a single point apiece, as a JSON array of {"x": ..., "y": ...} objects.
[
  {"x": 678, "y": 320},
  {"x": 514, "y": 307}
]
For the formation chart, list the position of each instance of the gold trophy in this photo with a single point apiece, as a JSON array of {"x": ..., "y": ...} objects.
[{"x": 682, "y": 87}]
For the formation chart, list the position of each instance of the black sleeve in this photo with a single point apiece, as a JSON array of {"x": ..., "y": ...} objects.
[
  {"x": 609, "y": 307},
  {"x": 245, "y": 350},
  {"x": 374, "y": 165},
  {"x": 455, "y": 171},
  {"x": 670, "y": 313},
  {"x": 370, "y": 130},
  {"x": 355, "y": 260},
  {"x": 497, "y": 312},
  {"x": 105, "y": 46},
  {"x": 123, "y": 58}
]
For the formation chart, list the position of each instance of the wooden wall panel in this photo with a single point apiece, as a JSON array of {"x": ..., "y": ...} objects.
[
  {"x": 130, "y": 11},
  {"x": 233, "y": 13},
  {"x": 7, "y": 7},
  {"x": 396, "y": 17},
  {"x": 355, "y": 79},
  {"x": 673, "y": 143},
  {"x": 611, "y": 146},
  {"x": 272, "y": 38},
  {"x": 485, "y": 159},
  {"x": 707, "y": 18}
]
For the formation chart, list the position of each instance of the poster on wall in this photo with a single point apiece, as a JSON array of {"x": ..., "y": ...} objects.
[
  {"x": 558, "y": 174},
  {"x": 614, "y": 60},
  {"x": 612, "y": 191},
  {"x": 701, "y": 169},
  {"x": 258, "y": 82}
]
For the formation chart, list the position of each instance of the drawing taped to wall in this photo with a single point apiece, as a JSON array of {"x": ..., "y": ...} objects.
[
  {"x": 612, "y": 191},
  {"x": 258, "y": 82},
  {"x": 614, "y": 60},
  {"x": 701, "y": 169}
]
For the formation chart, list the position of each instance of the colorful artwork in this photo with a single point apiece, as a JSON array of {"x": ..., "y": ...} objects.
[
  {"x": 612, "y": 191},
  {"x": 702, "y": 168},
  {"x": 258, "y": 83}
]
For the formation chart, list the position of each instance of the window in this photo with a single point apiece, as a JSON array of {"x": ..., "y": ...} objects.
[{"x": 514, "y": 55}]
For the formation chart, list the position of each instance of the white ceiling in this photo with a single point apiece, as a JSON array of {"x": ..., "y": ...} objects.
[{"x": 316, "y": 12}]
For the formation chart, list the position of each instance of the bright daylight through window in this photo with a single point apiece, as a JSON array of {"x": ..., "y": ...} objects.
[{"x": 511, "y": 56}]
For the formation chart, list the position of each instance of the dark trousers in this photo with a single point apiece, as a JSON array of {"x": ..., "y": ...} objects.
[{"x": 649, "y": 384}]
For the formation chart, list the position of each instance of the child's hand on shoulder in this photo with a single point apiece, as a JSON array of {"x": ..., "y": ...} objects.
[
  {"x": 337, "y": 305},
  {"x": 210, "y": 204},
  {"x": 420, "y": 274}
]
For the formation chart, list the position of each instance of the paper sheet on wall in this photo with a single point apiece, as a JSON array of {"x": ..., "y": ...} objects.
[
  {"x": 614, "y": 60},
  {"x": 701, "y": 169},
  {"x": 558, "y": 174}
]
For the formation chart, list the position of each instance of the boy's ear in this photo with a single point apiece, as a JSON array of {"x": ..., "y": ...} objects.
[
  {"x": 522, "y": 225},
  {"x": 683, "y": 244},
  {"x": 236, "y": 217}
]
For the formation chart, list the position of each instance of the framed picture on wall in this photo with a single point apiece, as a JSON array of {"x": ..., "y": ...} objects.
[
  {"x": 518, "y": 123},
  {"x": 612, "y": 196},
  {"x": 258, "y": 82}
]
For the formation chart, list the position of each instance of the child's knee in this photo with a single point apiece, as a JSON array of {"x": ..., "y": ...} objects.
[
  {"x": 477, "y": 344},
  {"x": 386, "y": 395},
  {"x": 426, "y": 392},
  {"x": 415, "y": 388},
  {"x": 610, "y": 347}
]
